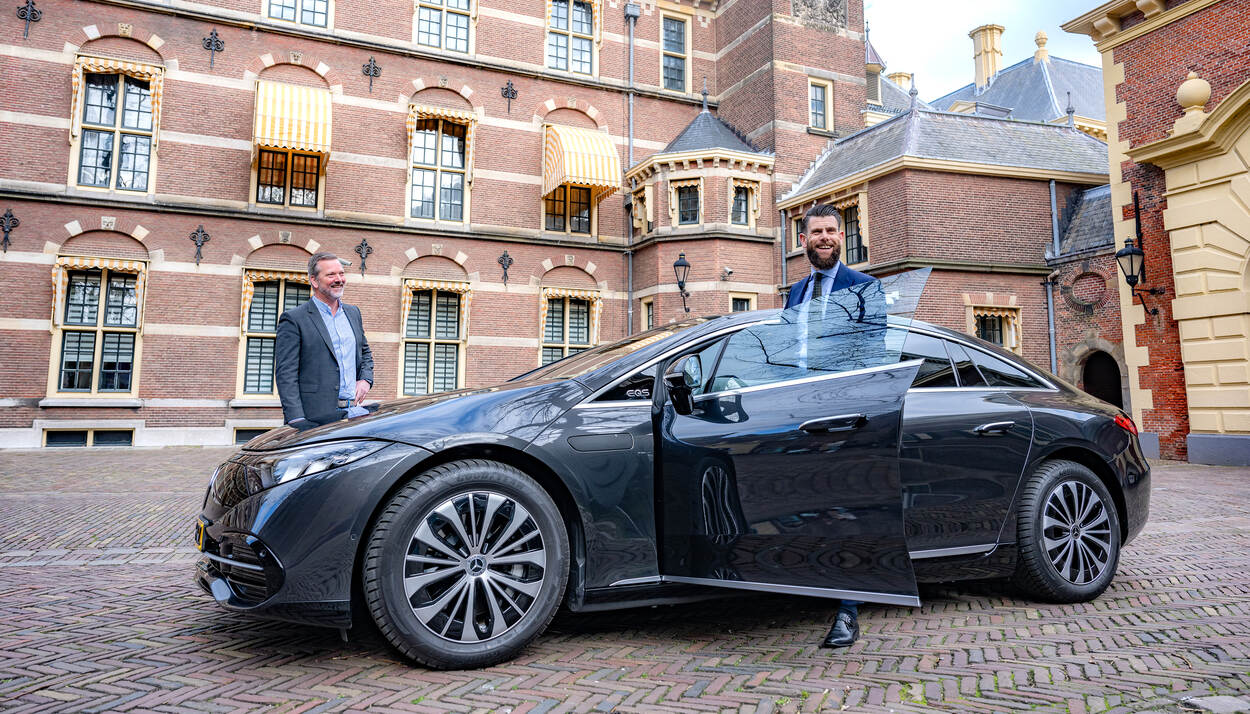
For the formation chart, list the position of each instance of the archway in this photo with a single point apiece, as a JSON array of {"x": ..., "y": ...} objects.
[{"x": 1101, "y": 377}]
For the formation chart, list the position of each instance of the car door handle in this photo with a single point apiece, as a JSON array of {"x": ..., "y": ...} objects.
[
  {"x": 994, "y": 428},
  {"x": 842, "y": 422}
]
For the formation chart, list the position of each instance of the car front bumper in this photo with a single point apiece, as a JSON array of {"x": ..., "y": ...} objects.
[{"x": 289, "y": 551}]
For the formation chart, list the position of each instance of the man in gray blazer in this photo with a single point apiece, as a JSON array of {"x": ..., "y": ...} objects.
[{"x": 324, "y": 364}]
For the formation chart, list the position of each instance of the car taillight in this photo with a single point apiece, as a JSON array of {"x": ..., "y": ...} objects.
[{"x": 1126, "y": 424}]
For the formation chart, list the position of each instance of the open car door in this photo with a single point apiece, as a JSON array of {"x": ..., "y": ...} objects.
[{"x": 778, "y": 451}]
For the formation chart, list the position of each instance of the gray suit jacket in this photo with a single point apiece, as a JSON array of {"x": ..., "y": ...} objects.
[{"x": 307, "y": 371}]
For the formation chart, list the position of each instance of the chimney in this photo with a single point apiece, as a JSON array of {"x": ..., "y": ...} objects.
[
  {"x": 987, "y": 52},
  {"x": 902, "y": 79},
  {"x": 1041, "y": 55}
]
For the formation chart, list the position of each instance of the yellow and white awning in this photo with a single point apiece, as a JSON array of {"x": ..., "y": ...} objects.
[
  {"x": 596, "y": 307},
  {"x": 448, "y": 286},
  {"x": 580, "y": 157},
  {"x": 153, "y": 74},
  {"x": 417, "y": 112},
  {"x": 251, "y": 277},
  {"x": 66, "y": 263},
  {"x": 289, "y": 116}
]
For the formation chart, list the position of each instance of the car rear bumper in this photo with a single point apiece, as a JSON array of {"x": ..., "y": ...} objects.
[
  {"x": 289, "y": 552},
  {"x": 1134, "y": 473}
]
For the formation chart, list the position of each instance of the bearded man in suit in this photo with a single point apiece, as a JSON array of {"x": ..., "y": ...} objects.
[{"x": 822, "y": 237}]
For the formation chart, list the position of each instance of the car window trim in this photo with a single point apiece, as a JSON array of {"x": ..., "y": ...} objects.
[
  {"x": 808, "y": 380},
  {"x": 1049, "y": 386}
]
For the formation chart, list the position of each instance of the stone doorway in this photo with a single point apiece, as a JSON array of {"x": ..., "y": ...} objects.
[{"x": 1101, "y": 377}]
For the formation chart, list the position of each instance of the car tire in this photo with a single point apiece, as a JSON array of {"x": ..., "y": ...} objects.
[
  {"x": 466, "y": 565},
  {"x": 1068, "y": 534}
]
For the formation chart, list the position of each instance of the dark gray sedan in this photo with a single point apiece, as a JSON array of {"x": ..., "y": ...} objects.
[{"x": 840, "y": 449}]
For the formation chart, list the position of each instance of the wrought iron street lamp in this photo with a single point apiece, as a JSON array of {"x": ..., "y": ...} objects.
[
  {"x": 1133, "y": 264},
  {"x": 681, "y": 268}
]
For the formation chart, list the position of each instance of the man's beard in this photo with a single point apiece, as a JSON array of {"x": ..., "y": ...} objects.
[{"x": 820, "y": 264}]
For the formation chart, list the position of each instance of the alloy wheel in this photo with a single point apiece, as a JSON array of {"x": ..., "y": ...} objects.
[
  {"x": 474, "y": 566},
  {"x": 1076, "y": 532}
]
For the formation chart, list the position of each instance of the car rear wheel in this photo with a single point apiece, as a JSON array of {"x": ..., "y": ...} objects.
[
  {"x": 1068, "y": 534},
  {"x": 466, "y": 565}
]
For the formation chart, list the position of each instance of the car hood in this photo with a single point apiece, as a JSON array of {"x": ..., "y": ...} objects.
[{"x": 513, "y": 412}]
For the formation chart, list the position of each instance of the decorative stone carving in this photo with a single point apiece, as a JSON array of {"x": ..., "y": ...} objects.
[
  {"x": 827, "y": 13},
  {"x": 1192, "y": 95}
]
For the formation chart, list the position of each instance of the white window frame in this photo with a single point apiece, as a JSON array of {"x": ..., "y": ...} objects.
[
  {"x": 439, "y": 171},
  {"x": 299, "y": 13},
  {"x": 569, "y": 34},
  {"x": 290, "y": 154},
  {"x": 435, "y": 288},
  {"x": 283, "y": 278},
  {"x": 61, "y": 328},
  {"x": 827, "y": 86},
  {"x": 685, "y": 56},
  {"x": 424, "y": 8},
  {"x": 594, "y": 306}
]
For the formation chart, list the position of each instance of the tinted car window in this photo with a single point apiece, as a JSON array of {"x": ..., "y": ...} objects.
[
  {"x": 936, "y": 371},
  {"x": 967, "y": 371},
  {"x": 637, "y": 386},
  {"x": 1001, "y": 373}
]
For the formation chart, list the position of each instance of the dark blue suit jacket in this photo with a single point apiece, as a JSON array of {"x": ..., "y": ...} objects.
[{"x": 844, "y": 279}]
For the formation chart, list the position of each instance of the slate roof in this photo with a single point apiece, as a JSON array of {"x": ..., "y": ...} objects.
[
  {"x": 870, "y": 54},
  {"x": 705, "y": 132},
  {"x": 1090, "y": 226},
  {"x": 896, "y": 99},
  {"x": 958, "y": 137},
  {"x": 1038, "y": 91}
]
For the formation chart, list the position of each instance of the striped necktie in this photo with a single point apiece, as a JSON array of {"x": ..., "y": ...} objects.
[{"x": 817, "y": 279}]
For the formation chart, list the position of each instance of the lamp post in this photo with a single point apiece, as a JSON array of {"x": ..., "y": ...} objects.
[
  {"x": 1132, "y": 263},
  {"x": 681, "y": 268}
]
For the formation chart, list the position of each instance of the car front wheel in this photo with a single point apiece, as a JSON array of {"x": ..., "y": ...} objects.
[
  {"x": 1068, "y": 534},
  {"x": 466, "y": 565}
]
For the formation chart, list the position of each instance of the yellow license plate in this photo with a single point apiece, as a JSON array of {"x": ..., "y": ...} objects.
[{"x": 199, "y": 535}]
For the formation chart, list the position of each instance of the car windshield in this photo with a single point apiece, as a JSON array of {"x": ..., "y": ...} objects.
[{"x": 585, "y": 362}]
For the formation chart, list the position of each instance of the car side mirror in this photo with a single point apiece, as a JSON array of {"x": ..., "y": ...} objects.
[{"x": 682, "y": 378}]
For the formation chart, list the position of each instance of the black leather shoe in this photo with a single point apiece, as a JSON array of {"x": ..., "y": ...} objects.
[{"x": 844, "y": 632}]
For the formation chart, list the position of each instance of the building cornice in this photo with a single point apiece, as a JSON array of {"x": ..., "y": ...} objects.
[
  {"x": 975, "y": 266},
  {"x": 378, "y": 45},
  {"x": 941, "y": 165},
  {"x": 1102, "y": 24},
  {"x": 684, "y": 159},
  {"x": 1213, "y": 136},
  {"x": 478, "y": 231}
]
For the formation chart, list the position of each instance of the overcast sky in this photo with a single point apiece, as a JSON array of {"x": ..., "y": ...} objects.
[{"x": 930, "y": 39}]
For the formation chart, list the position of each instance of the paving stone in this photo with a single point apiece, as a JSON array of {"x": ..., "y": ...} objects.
[{"x": 98, "y": 613}]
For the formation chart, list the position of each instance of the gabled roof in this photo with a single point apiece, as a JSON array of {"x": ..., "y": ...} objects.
[
  {"x": 705, "y": 132},
  {"x": 1037, "y": 90},
  {"x": 969, "y": 138},
  {"x": 1090, "y": 226}
]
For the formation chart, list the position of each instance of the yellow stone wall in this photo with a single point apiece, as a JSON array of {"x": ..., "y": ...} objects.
[{"x": 1208, "y": 219}]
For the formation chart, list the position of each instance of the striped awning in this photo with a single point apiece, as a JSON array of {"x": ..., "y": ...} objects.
[
  {"x": 251, "y": 277},
  {"x": 66, "y": 263},
  {"x": 596, "y": 307},
  {"x": 154, "y": 75},
  {"x": 580, "y": 157},
  {"x": 448, "y": 286},
  {"x": 417, "y": 112},
  {"x": 289, "y": 116}
]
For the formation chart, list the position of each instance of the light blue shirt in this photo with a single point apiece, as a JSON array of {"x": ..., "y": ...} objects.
[
  {"x": 826, "y": 285},
  {"x": 343, "y": 342}
]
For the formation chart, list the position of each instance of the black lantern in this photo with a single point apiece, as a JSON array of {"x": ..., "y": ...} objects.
[
  {"x": 1133, "y": 264},
  {"x": 681, "y": 268}
]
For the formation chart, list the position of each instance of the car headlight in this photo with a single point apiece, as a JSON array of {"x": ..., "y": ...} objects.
[{"x": 290, "y": 465}]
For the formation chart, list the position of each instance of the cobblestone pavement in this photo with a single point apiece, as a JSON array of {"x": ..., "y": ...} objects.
[{"x": 98, "y": 612}]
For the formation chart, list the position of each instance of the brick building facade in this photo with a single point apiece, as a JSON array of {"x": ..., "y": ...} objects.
[
  {"x": 1178, "y": 104},
  {"x": 172, "y": 169}
]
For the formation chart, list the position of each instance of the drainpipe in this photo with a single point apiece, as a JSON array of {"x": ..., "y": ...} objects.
[
  {"x": 632, "y": 11},
  {"x": 1049, "y": 282},
  {"x": 782, "y": 222}
]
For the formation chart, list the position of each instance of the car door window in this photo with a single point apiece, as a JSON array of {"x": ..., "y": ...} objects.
[
  {"x": 936, "y": 371},
  {"x": 844, "y": 332},
  {"x": 967, "y": 371},
  {"x": 1001, "y": 373}
]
